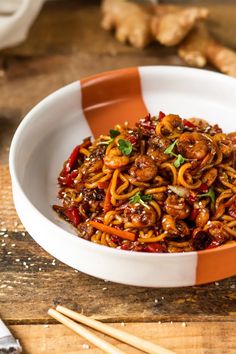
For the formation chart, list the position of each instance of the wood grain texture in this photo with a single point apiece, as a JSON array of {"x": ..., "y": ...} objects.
[
  {"x": 195, "y": 338},
  {"x": 33, "y": 281},
  {"x": 84, "y": 34},
  {"x": 8, "y": 217}
]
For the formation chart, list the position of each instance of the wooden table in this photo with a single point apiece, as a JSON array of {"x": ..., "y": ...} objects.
[{"x": 65, "y": 44}]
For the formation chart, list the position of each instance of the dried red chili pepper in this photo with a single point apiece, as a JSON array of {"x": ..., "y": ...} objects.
[
  {"x": 132, "y": 139},
  {"x": 73, "y": 215},
  {"x": 161, "y": 116},
  {"x": 155, "y": 248},
  {"x": 74, "y": 156},
  {"x": 213, "y": 244},
  {"x": 203, "y": 188},
  {"x": 188, "y": 124},
  {"x": 194, "y": 214}
]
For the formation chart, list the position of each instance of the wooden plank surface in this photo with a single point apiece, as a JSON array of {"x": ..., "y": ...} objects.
[{"x": 181, "y": 337}]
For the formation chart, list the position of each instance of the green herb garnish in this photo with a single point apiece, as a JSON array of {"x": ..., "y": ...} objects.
[
  {"x": 141, "y": 199},
  {"x": 179, "y": 158},
  {"x": 125, "y": 146},
  {"x": 169, "y": 150},
  {"x": 210, "y": 193},
  {"x": 179, "y": 161},
  {"x": 114, "y": 133}
]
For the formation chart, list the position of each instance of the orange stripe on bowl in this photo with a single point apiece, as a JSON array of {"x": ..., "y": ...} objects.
[
  {"x": 112, "y": 98},
  {"x": 216, "y": 264}
]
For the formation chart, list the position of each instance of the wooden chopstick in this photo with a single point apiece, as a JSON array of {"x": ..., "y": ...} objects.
[
  {"x": 125, "y": 337},
  {"x": 83, "y": 332}
]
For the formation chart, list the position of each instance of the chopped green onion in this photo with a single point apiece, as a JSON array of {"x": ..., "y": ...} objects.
[
  {"x": 114, "y": 133},
  {"x": 210, "y": 193},
  {"x": 125, "y": 146},
  {"x": 140, "y": 199},
  {"x": 169, "y": 150},
  {"x": 179, "y": 161}
]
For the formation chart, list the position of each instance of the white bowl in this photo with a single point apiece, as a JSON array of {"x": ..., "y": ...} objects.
[{"x": 49, "y": 132}]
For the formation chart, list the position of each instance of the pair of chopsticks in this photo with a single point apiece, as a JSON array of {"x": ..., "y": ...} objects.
[{"x": 65, "y": 316}]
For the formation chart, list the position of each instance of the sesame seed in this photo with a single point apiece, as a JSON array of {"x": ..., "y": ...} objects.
[
  {"x": 122, "y": 324},
  {"x": 156, "y": 301},
  {"x": 216, "y": 283},
  {"x": 85, "y": 346},
  {"x": 46, "y": 326},
  {"x": 17, "y": 260},
  {"x": 9, "y": 252},
  {"x": 184, "y": 324},
  {"x": 13, "y": 245},
  {"x": 162, "y": 297},
  {"x": 104, "y": 289}
]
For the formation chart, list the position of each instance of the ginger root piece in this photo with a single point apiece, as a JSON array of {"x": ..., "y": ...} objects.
[
  {"x": 140, "y": 24},
  {"x": 131, "y": 22},
  {"x": 200, "y": 47},
  {"x": 193, "y": 49},
  {"x": 222, "y": 58},
  {"x": 172, "y": 23}
]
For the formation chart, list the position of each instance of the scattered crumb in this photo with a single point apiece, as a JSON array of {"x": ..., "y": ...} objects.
[
  {"x": 85, "y": 346},
  {"x": 171, "y": 322},
  {"x": 122, "y": 324},
  {"x": 216, "y": 283},
  {"x": 46, "y": 326},
  {"x": 159, "y": 322},
  {"x": 184, "y": 324}
]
